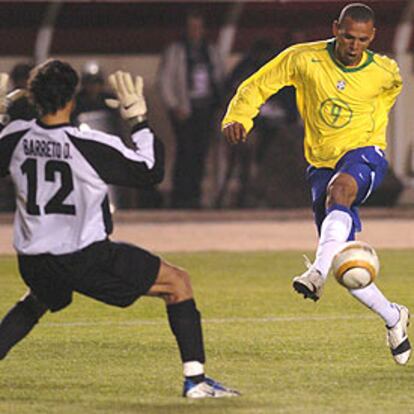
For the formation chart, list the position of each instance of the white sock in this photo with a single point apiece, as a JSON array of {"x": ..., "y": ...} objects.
[
  {"x": 334, "y": 232},
  {"x": 373, "y": 298},
  {"x": 193, "y": 368}
]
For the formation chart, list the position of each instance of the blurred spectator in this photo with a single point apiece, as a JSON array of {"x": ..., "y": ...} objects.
[
  {"x": 266, "y": 157},
  {"x": 190, "y": 78},
  {"x": 280, "y": 132},
  {"x": 280, "y": 146},
  {"x": 91, "y": 110},
  {"x": 240, "y": 157},
  {"x": 21, "y": 108}
]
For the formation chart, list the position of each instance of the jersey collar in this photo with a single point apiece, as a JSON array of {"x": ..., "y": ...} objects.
[
  {"x": 44, "y": 126},
  {"x": 330, "y": 46}
]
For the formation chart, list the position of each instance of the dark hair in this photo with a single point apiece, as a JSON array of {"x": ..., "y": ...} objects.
[
  {"x": 357, "y": 11},
  {"x": 52, "y": 85},
  {"x": 195, "y": 14},
  {"x": 20, "y": 72}
]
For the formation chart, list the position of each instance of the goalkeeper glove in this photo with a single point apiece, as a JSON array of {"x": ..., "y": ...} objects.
[
  {"x": 7, "y": 99},
  {"x": 131, "y": 101}
]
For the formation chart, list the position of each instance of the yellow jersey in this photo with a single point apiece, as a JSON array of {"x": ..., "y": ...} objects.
[{"x": 343, "y": 107}]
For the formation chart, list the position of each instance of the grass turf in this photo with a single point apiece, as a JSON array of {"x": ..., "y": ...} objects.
[{"x": 285, "y": 355}]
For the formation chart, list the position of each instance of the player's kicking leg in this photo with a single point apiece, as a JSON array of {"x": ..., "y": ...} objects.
[
  {"x": 310, "y": 284},
  {"x": 335, "y": 230},
  {"x": 337, "y": 227},
  {"x": 19, "y": 321},
  {"x": 174, "y": 286}
]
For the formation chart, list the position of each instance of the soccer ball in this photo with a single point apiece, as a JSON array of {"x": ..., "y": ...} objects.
[{"x": 356, "y": 265}]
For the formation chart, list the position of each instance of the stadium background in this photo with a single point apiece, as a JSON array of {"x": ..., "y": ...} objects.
[
  {"x": 132, "y": 35},
  {"x": 259, "y": 343}
]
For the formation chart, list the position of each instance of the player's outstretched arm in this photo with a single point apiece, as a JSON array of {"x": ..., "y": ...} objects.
[
  {"x": 234, "y": 132},
  {"x": 117, "y": 163}
]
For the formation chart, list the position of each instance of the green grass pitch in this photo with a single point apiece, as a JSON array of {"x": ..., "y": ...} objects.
[{"x": 285, "y": 355}]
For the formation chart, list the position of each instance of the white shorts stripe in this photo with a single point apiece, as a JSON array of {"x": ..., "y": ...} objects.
[{"x": 371, "y": 187}]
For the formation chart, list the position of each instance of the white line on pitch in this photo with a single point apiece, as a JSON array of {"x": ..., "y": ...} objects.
[{"x": 269, "y": 319}]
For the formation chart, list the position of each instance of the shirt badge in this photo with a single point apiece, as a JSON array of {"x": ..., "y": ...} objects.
[{"x": 341, "y": 85}]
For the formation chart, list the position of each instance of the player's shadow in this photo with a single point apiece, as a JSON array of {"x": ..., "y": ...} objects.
[{"x": 208, "y": 406}]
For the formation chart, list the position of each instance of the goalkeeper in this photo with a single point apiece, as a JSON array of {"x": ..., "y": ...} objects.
[
  {"x": 61, "y": 176},
  {"x": 344, "y": 94}
]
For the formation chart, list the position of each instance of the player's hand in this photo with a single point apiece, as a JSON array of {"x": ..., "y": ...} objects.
[
  {"x": 5, "y": 98},
  {"x": 4, "y": 83},
  {"x": 234, "y": 132},
  {"x": 131, "y": 101}
]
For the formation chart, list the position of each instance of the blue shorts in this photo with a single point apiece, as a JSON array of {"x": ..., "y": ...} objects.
[{"x": 367, "y": 165}]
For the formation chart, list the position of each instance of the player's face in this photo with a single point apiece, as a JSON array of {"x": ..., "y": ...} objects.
[{"x": 352, "y": 38}]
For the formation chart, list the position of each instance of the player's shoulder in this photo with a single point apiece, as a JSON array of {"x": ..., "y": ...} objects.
[
  {"x": 93, "y": 135},
  {"x": 16, "y": 126},
  {"x": 315, "y": 46},
  {"x": 308, "y": 48},
  {"x": 385, "y": 62}
]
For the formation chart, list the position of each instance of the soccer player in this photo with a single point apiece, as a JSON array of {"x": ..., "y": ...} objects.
[
  {"x": 62, "y": 222},
  {"x": 344, "y": 94}
]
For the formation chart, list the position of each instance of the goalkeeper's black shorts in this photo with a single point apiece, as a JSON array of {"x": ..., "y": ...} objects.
[{"x": 113, "y": 273}]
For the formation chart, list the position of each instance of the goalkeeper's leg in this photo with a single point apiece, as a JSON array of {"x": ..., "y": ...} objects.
[
  {"x": 174, "y": 286},
  {"x": 19, "y": 321}
]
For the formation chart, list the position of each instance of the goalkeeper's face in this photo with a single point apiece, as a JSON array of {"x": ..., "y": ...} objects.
[{"x": 352, "y": 39}]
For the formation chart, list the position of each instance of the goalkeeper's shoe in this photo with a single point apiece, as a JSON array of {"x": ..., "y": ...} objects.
[
  {"x": 397, "y": 337},
  {"x": 309, "y": 284},
  {"x": 208, "y": 388}
]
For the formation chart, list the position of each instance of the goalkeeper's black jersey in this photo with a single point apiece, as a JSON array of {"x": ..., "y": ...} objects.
[{"x": 61, "y": 176}]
